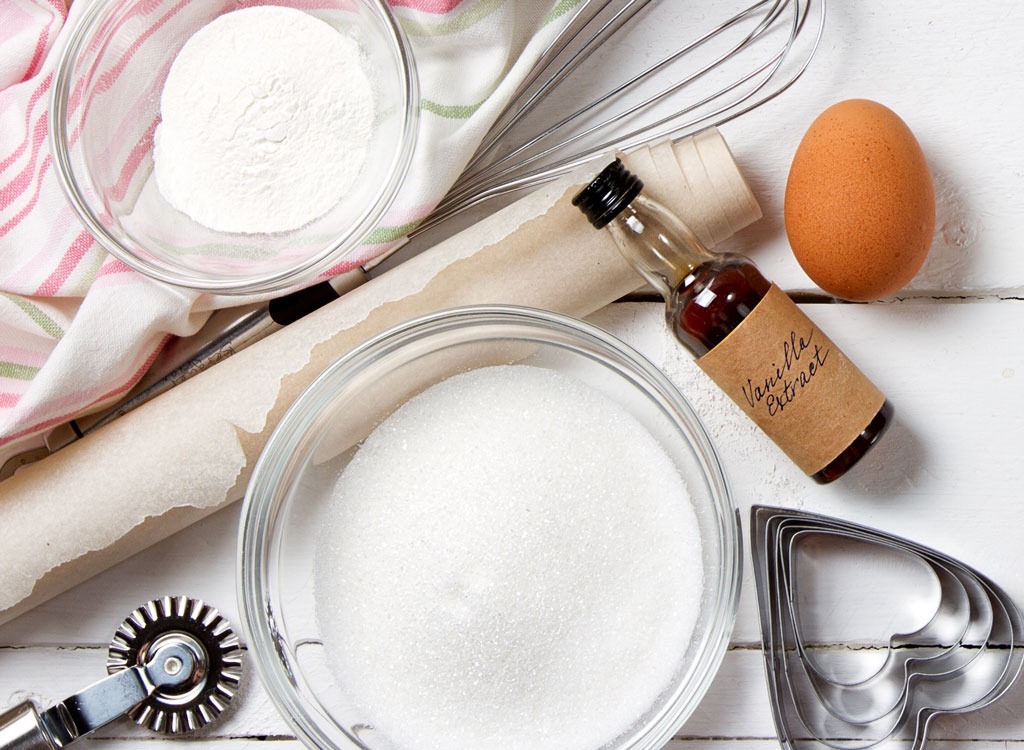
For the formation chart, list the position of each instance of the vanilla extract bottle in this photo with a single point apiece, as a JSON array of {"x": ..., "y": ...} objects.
[{"x": 746, "y": 333}]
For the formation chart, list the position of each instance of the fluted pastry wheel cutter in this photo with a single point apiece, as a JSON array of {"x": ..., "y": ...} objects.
[{"x": 174, "y": 664}]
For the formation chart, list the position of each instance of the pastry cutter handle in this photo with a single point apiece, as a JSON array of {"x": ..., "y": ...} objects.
[{"x": 25, "y": 728}]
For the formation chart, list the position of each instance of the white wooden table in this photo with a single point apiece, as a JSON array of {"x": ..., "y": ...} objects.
[{"x": 949, "y": 353}]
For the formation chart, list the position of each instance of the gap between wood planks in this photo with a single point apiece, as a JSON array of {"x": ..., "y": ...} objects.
[{"x": 820, "y": 298}]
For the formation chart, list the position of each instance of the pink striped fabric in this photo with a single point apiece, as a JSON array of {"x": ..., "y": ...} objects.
[{"x": 77, "y": 327}]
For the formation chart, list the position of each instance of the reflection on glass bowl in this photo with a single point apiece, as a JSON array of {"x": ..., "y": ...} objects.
[
  {"x": 289, "y": 504},
  {"x": 105, "y": 108}
]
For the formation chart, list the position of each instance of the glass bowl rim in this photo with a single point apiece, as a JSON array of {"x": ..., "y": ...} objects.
[
  {"x": 254, "y": 538},
  {"x": 328, "y": 256}
]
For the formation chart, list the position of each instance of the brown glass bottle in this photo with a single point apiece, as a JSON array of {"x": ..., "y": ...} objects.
[{"x": 708, "y": 295}]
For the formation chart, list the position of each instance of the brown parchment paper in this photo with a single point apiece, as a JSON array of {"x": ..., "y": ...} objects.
[{"x": 190, "y": 451}]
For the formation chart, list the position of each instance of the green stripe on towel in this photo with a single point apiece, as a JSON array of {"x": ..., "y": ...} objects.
[
  {"x": 382, "y": 235},
  {"x": 41, "y": 319},
  {"x": 451, "y": 111},
  {"x": 561, "y": 8},
  {"x": 17, "y": 372}
]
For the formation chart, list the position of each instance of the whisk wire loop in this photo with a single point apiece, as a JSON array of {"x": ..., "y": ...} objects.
[
  {"x": 573, "y": 140},
  {"x": 523, "y": 101},
  {"x": 494, "y": 171}
]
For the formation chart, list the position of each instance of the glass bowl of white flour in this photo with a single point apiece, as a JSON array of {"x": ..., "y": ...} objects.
[
  {"x": 234, "y": 147},
  {"x": 491, "y": 528}
]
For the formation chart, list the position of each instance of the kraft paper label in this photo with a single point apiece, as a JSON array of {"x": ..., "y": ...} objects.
[{"x": 794, "y": 382}]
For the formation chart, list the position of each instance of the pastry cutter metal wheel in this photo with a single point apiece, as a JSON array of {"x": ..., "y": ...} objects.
[{"x": 174, "y": 665}]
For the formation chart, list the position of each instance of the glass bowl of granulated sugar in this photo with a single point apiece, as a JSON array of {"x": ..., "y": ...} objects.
[
  {"x": 234, "y": 147},
  {"x": 491, "y": 528}
]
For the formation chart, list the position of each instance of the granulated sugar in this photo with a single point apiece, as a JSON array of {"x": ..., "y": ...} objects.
[
  {"x": 512, "y": 563},
  {"x": 267, "y": 116}
]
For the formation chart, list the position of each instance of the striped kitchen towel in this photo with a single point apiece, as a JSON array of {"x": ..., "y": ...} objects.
[{"x": 77, "y": 327}]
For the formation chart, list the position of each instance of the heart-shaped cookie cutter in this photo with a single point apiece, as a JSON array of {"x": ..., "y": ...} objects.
[
  {"x": 941, "y": 648},
  {"x": 963, "y": 658}
]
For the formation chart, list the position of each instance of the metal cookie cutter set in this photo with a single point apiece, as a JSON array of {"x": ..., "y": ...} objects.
[
  {"x": 965, "y": 656},
  {"x": 174, "y": 665}
]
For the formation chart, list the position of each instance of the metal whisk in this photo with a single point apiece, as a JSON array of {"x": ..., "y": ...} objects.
[{"x": 741, "y": 62}]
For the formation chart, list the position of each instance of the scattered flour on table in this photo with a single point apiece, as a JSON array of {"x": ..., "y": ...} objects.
[
  {"x": 512, "y": 562},
  {"x": 267, "y": 115},
  {"x": 760, "y": 472}
]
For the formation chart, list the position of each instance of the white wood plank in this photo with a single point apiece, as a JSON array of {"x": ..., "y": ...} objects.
[
  {"x": 946, "y": 475},
  {"x": 944, "y": 456},
  {"x": 206, "y": 743},
  {"x": 946, "y": 68},
  {"x": 755, "y": 744},
  {"x": 735, "y": 707},
  {"x": 678, "y": 744},
  {"x": 939, "y": 66}
]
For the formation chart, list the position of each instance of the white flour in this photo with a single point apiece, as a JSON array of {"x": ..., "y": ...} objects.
[
  {"x": 267, "y": 114},
  {"x": 511, "y": 563}
]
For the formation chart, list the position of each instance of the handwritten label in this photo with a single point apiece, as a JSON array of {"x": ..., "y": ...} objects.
[
  {"x": 794, "y": 382},
  {"x": 802, "y": 359}
]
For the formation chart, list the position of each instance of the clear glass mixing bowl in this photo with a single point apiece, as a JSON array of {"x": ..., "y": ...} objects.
[
  {"x": 106, "y": 105},
  {"x": 285, "y": 505}
]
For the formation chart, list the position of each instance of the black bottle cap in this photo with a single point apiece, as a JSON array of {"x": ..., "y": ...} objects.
[{"x": 610, "y": 192}]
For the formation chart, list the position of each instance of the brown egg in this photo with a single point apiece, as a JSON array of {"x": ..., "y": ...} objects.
[{"x": 860, "y": 206}]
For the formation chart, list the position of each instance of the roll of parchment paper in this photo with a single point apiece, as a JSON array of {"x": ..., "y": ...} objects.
[{"x": 190, "y": 451}]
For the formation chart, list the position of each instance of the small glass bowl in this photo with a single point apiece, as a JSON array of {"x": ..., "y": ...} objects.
[
  {"x": 104, "y": 110},
  {"x": 287, "y": 500}
]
